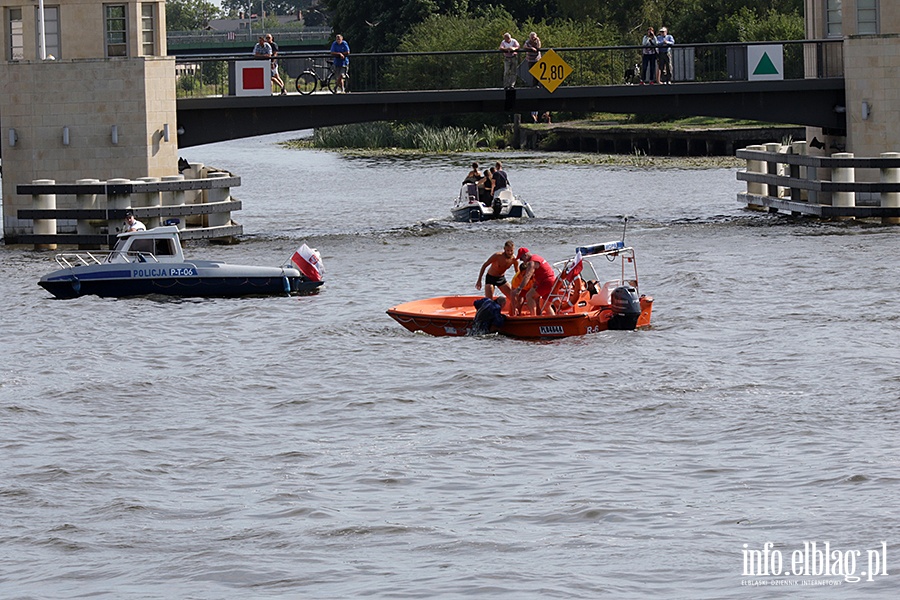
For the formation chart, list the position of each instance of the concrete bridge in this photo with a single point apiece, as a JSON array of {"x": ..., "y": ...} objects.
[{"x": 711, "y": 80}]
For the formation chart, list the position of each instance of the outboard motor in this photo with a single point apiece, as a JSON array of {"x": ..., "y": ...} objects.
[{"x": 626, "y": 307}]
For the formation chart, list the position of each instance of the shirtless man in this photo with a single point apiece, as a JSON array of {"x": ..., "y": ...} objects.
[{"x": 497, "y": 266}]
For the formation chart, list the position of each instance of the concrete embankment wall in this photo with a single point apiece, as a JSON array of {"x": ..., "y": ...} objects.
[{"x": 652, "y": 141}]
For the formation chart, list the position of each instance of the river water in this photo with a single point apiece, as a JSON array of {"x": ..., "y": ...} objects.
[{"x": 310, "y": 447}]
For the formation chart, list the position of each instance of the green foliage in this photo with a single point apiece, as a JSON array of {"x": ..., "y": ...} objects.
[
  {"x": 189, "y": 15},
  {"x": 378, "y": 26},
  {"x": 408, "y": 136},
  {"x": 748, "y": 26},
  {"x": 485, "y": 31}
]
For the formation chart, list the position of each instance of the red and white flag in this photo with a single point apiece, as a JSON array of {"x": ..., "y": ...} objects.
[
  {"x": 574, "y": 267},
  {"x": 309, "y": 261}
]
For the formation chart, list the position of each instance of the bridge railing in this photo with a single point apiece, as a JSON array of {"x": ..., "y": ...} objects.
[{"x": 480, "y": 69}]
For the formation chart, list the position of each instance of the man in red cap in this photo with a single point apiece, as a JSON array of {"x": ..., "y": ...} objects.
[{"x": 544, "y": 279}]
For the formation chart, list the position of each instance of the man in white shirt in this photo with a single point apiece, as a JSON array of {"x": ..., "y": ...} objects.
[
  {"x": 132, "y": 224},
  {"x": 508, "y": 47}
]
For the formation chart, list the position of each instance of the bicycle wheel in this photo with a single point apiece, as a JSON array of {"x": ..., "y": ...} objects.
[
  {"x": 307, "y": 82},
  {"x": 331, "y": 82}
]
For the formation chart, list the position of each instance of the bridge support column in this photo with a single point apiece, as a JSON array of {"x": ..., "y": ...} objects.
[
  {"x": 120, "y": 201},
  {"x": 148, "y": 199},
  {"x": 86, "y": 226},
  {"x": 756, "y": 166},
  {"x": 843, "y": 175},
  {"x": 798, "y": 172},
  {"x": 173, "y": 198},
  {"x": 44, "y": 226},
  {"x": 214, "y": 195},
  {"x": 890, "y": 199}
]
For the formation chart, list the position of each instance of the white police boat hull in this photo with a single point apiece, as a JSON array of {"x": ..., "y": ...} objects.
[{"x": 152, "y": 262}]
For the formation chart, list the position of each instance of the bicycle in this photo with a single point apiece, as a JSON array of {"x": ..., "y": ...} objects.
[{"x": 308, "y": 81}]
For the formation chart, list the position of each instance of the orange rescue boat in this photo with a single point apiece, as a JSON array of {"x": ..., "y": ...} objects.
[{"x": 582, "y": 306}]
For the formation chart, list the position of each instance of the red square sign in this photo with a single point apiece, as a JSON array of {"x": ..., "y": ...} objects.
[{"x": 254, "y": 78}]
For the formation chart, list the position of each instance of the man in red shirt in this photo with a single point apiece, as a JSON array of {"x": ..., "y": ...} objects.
[{"x": 544, "y": 279}]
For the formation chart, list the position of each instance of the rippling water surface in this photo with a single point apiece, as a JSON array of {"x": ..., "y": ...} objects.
[{"x": 312, "y": 448}]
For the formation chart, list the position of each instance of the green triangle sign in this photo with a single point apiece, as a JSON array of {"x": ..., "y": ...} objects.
[{"x": 765, "y": 66}]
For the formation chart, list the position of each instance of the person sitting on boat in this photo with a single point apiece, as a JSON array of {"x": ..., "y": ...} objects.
[
  {"x": 488, "y": 315},
  {"x": 497, "y": 265},
  {"x": 475, "y": 175},
  {"x": 544, "y": 279},
  {"x": 519, "y": 299},
  {"x": 132, "y": 224}
]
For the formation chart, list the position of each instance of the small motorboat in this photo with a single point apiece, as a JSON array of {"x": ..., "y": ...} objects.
[
  {"x": 581, "y": 306},
  {"x": 152, "y": 262},
  {"x": 503, "y": 205}
]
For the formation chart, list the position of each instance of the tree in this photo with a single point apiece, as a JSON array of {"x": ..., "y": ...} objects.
[
  {"x": 379, "y": 25},
  {"x": 275, "y": 7},
  {"x": 189, "y": 15}
]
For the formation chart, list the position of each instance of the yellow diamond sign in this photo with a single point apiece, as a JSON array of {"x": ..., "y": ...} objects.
[{"x": 551, "y": 70}]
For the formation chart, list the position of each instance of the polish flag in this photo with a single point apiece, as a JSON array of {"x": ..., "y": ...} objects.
[
  {"x": 574, "y": 267},
  {"x": 309, "y": 261}
]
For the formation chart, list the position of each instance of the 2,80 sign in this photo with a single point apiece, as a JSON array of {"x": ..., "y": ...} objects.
[{"x": 551, "y": 70}]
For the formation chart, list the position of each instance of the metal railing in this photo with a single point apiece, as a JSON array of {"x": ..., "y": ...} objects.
[{"x": 481, "y": 69}]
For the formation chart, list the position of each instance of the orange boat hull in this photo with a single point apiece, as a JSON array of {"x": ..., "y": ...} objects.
[{"x": 455, "y": 316}]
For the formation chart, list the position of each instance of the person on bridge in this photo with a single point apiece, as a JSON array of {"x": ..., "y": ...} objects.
[
  {"x": 532, "y": 56},
  {"x": 262, "y": 49},
  {"x": 340, "y": 50},
  {"x": 648, "y": 57},
  {"x": 508, "y": 47},
  {"x": 664, "y": 43},
  {"x": 276, "y": 78}
]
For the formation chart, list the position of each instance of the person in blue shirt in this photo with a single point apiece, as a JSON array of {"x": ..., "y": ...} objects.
[
  {"x": 340, "y": 50},
  {"x": 664, "y": 43},
  {"x": 488, "y": 315}
]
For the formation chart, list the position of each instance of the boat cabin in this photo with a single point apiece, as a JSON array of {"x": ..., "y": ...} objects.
[{"x": 160, "y": 244}]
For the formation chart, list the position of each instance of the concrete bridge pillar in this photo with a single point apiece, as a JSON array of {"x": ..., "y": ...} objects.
[
  {"x": 843, "y": 175},
  {"x": 148, "y": 199},
  {"x": 44, "y": 202},
  {"x": 114, "y": 201},
  {"x": 174, "y": 198},
  {"x": 756, "y": 166},
  {"x": 218, "y": 219},
  {"x": 86, "y": 226},
  {"x": 798, "y": 172},
  {"x": 890, "y": 199}
]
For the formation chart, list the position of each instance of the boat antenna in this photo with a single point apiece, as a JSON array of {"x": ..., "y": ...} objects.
[{"x": 624, "y": 227}]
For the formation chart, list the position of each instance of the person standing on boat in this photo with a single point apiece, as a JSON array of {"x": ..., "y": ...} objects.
[
  {"x": 501, "y": 180},
  {"x": 497, "y": 265},
  {"x": 132, "y": 224},
  {"x": 541, "y": 272}
]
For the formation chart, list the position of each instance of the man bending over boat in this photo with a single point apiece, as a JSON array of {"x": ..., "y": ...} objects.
[
  {"x": 488, "y": 315},
  {"x": 497, "y": 266},
  {"x": 541, "y": 272}
]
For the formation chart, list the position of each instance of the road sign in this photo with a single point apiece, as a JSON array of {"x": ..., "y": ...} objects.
[
  {"x": 765, "y": 62},
  {"x": 551, "y": 70}
]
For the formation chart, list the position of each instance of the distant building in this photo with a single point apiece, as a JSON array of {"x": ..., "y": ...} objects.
[
  {"x": 871, "y": 61},
  {"x": 94, "y": 97}
]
